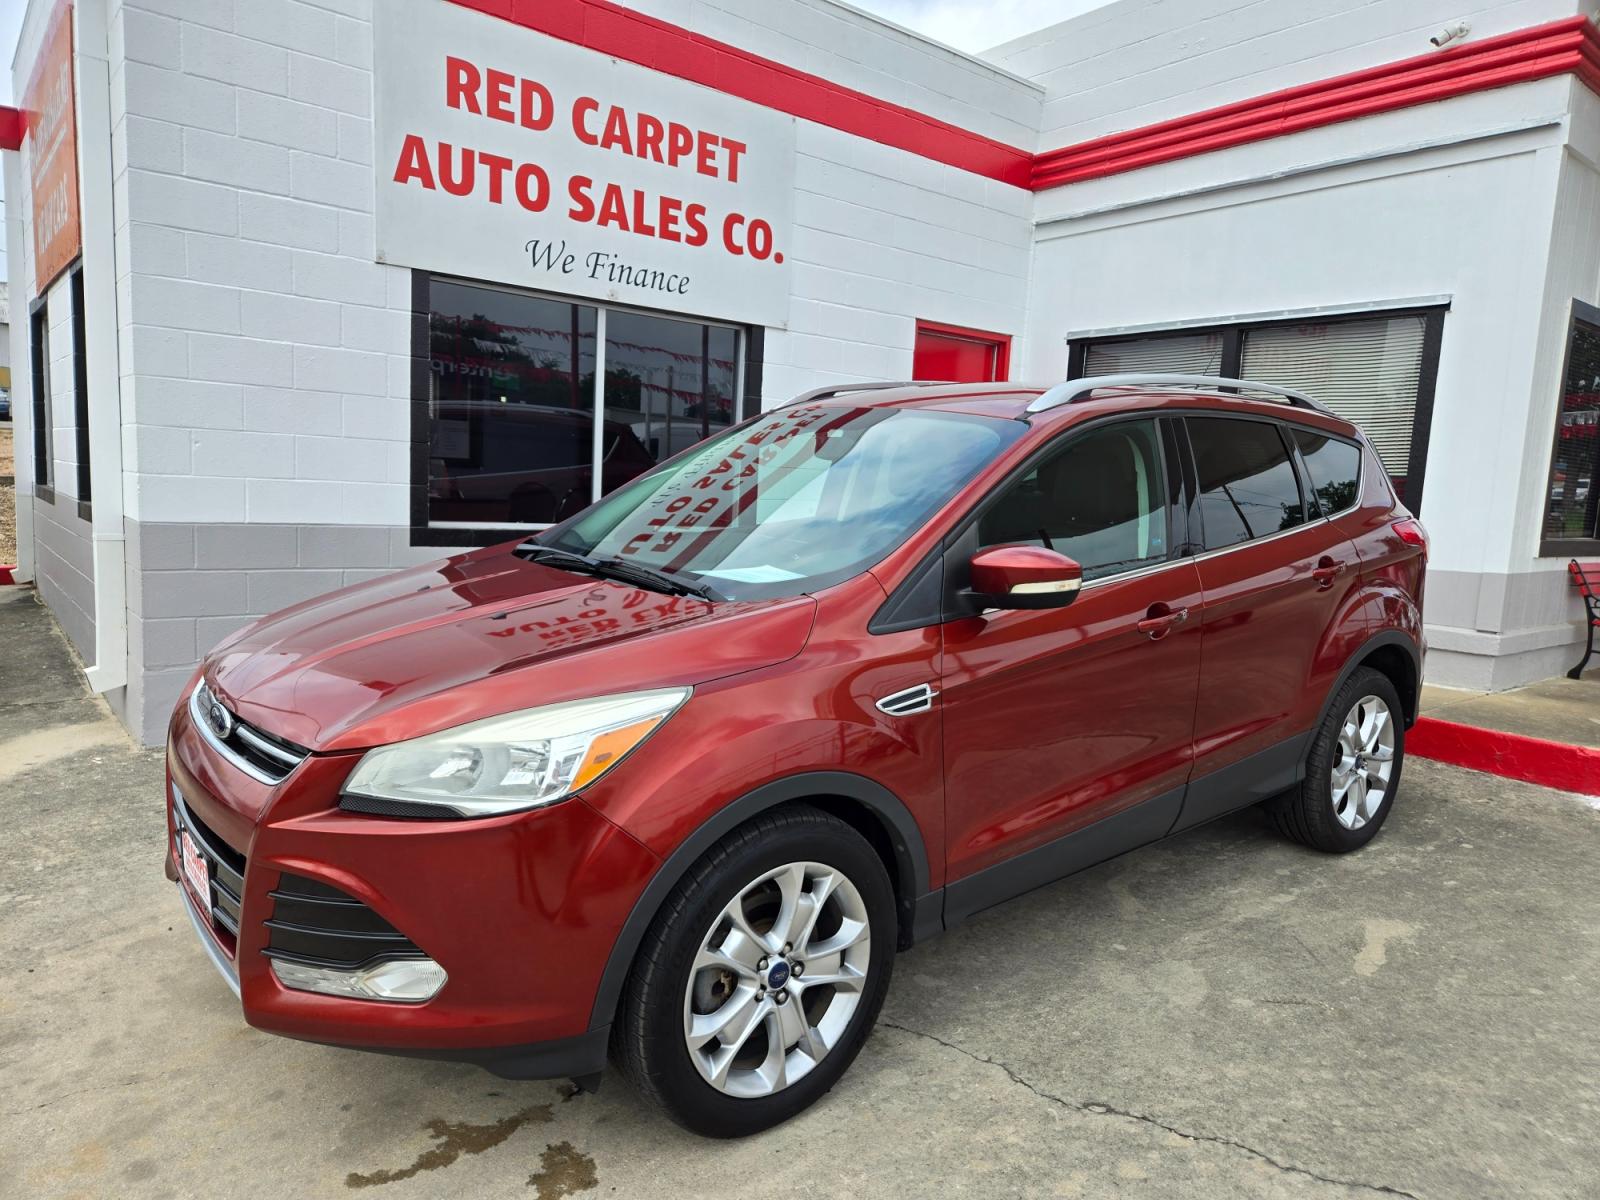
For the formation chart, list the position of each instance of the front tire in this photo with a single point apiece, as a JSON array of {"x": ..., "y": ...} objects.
[
  {"x": 761, "y": 978},
  {"x": 1352, "y": 768}
]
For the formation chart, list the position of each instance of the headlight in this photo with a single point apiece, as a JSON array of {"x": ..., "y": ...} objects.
[{"x": 518, "y": 761}]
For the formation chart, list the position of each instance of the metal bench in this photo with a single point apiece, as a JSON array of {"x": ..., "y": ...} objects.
[{"x": 1586, "y": 578}]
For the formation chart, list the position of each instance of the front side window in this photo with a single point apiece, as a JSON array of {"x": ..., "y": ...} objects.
[
  {"x": 793, "y": 501},
  {"x": 1248, "y": 488},
  {"x": 1573, "y": 512},
  {"x": 513, "y": 435},
  {"x": 1335, "y": 470},
  {"x": 1098, "y": 500}
]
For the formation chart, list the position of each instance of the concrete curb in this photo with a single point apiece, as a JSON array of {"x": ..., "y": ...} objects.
[{"x": 1512, "y": 755}]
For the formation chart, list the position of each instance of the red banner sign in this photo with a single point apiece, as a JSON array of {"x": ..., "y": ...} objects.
[{"x": 52, "y": 113}]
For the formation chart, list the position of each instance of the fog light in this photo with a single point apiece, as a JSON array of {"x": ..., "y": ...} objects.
[{"x": 399, "y": 980}]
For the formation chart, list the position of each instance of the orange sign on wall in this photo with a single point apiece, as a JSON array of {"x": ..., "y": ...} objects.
[{"x": 52, "y": 113}]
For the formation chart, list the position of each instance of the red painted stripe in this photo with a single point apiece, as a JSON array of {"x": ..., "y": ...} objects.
[
  {"x": 1533, "y": 760},
  {"x": 13, "y": 124},
  {"x": 1568, "y": 45},
  {"x": 622, "y": 33},
  {"x": 6, "y": 576}
]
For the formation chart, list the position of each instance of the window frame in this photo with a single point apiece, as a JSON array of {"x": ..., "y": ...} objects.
[
  {"x": 41, "y": 403},
  {"x": 80, "y": 394},
  {"x": 1233, "y": 334},
  {"x": 748, "y": 376},
  {"x": 1581, "y": 313}
]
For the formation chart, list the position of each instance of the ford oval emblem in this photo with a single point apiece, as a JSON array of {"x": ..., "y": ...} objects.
[{"x": 221, "y": 720}]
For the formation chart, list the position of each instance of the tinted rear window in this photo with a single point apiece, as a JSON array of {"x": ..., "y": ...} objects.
[
  {"x": 1334, "y": 467},
  {"x": 1248, "y": 488}
]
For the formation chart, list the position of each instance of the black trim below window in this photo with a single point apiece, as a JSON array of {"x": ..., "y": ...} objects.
[
  {"x": 1231, "y": 366},
  {"x": 1584, "y": 318},
  {"x": 43, "y": 421},
  {"x": 753, "y": 340},
  {"x": 80, "y": 395}
]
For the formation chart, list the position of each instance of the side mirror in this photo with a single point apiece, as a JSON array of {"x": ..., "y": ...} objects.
[{"x": 1024, "y": 577}]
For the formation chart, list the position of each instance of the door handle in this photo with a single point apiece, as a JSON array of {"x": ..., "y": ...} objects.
[
  {"x": 1326, "y": 571},
  {"x": 1159, "y": 624}
]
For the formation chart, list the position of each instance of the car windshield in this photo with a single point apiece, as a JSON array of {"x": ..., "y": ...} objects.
[{"x": 792, "y": 501}]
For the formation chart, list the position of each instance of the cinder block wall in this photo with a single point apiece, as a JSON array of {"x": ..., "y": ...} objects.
[{"x": 265, "y": 355}]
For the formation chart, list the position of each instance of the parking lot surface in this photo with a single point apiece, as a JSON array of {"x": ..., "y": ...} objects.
[{"x": 1222, "y": 1015}]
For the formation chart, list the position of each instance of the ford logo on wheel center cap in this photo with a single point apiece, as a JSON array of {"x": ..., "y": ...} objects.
[{"x": 779, "y": 975}]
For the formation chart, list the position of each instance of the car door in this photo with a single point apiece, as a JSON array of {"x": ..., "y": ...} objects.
[
  {"x": 1280, "y": 582},
  {"x": 1068, "y": 732}
]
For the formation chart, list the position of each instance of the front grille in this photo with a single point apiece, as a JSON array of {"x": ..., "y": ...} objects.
[
  {"x": 225, "y": 867},
  {"x": 320, "y": 925},
  {"x": 254, "y": 751}
]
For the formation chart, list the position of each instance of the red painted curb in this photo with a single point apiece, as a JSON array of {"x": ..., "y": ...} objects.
[
  {"x": 1530, "y": 759},
  {"x": 5, "y": 574}
]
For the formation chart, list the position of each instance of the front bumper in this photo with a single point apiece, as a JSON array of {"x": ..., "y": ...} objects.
[{"x": 520, "y": 911}]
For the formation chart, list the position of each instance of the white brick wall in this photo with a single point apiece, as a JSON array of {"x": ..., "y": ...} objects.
[{"x": 243, "y": 145}]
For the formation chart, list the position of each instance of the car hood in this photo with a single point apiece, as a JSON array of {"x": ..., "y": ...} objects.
[{"x": 479, "y": 635}]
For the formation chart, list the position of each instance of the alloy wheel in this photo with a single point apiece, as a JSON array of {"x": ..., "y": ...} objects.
[
  {"x": 777, "y": 979},
  {"x": 1365, "y": 762}
]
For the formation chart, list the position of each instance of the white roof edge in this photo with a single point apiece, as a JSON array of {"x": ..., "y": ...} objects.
[{"x": 974, "y": 59}]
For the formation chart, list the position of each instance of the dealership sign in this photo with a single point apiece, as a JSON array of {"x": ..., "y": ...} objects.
[
  {"x": 52, "y": 145},
  {"x": 507, "y": 155}
]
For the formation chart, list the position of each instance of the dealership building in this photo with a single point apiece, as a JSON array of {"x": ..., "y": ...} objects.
[{"x": 303, "y": 291}]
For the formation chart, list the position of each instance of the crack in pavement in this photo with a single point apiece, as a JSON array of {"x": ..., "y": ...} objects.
[{"x": 1097, "y": 1108}]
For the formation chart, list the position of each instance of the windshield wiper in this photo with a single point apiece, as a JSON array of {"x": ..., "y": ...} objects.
[{"x": 616, "y": 568}]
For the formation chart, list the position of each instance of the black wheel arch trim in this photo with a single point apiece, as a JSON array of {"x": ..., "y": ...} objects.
[
  {"x": 1389, "y": 637},
  {"x": 911, "y": 863}
]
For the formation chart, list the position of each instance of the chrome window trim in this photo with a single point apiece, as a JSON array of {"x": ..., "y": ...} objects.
[{"x": 1153, "y": 568}]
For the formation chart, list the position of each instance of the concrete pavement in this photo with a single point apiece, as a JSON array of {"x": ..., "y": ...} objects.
[{"x": 1223, "y": 1015}]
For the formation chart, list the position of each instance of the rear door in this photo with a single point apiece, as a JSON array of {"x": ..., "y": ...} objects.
[
  {"x": 1279, "y": 618},
  {"x": 1060, "y": 720}
]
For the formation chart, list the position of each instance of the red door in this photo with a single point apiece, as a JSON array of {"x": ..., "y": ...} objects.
[
  {"x": 1057, "y": 720},
  {"x": 947, "y": 353}
]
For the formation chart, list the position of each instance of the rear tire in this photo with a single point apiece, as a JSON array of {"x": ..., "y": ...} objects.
[
  {"x": 691, "y": 975},
  {"x": 1352, "y": 769}
]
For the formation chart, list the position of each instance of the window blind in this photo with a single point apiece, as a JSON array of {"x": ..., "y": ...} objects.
[
  {"x": 1366, "y": 371},
  {"x": 1176, "y": 354}
]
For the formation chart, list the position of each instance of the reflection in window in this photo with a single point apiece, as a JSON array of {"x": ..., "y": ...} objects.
[
  {"x": 1248, "y": 489},
  {"x": 1574, "y": 510},
  {"x": 1098, "y": 501},
  {"x": 669, "y": 384},
  {"x": 1335, "y": 470},
  {"x": 512, "y": 436}
]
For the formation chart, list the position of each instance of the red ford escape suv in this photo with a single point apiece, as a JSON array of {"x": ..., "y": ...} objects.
[{"x": 674, "y": 779}]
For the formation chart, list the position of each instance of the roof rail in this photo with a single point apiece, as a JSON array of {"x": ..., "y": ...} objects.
[
  {"x": 839, "y": 389},
  {"x": 1077, "y": 389}
]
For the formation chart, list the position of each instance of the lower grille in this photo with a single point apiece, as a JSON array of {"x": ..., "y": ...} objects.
[
  {"x": 225, "y": 867},
  {"x": 319, "y": 925}
]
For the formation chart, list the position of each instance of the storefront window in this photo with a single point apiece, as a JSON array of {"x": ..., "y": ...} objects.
[
  {"x": 1574, "y": 509},
  {"x": 1376, "y": 371},
  {"x": 512, "y": 435}
]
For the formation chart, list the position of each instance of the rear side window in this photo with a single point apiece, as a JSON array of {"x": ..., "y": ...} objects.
[
  {"x": 1248, "y": 488},
  {"x": 1335, "y": 470}
]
